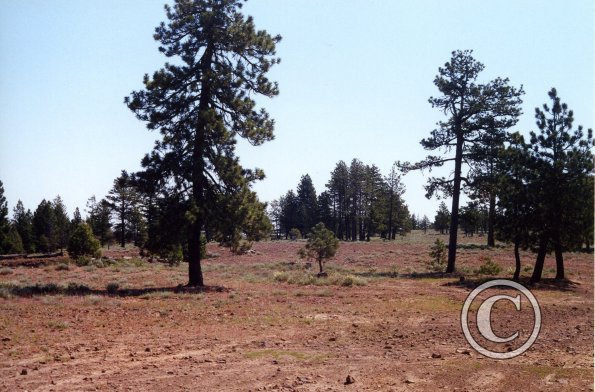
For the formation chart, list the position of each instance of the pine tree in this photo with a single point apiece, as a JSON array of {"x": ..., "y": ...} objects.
[
  {"x": 12, "y": 243},
  {"x": 442, "y": 219},
  {"x": 372, "y": 201},
  {"x": 62, "y": 232},
  {"x": 83, "y": 242},
  {"x": 4, "y": 222},
  {"x": 307, "y": 205},
  {"x": 122, "y": 199},
  {"x": 473, "y": 110},
  {"x": 99, "y": 219},
  {"x": 395, "y": 190},
  {"x": 204, "y": 102},
  {"x": 23, "y": 221},
  {"x": 355, "y": 195},
  {"x": 564, "y": 161},
  {"x": 322, "y": 244},
  {"x": 44, "y": 227},
  {"x": 76, "y": 218},
  {"x": 516, "y": 217},
  {"x": 338, "y": 186},
  {"x": 425, "y": 224},
  {"x": 289, "y": 206},
  {"x": 325, "y": 209}
]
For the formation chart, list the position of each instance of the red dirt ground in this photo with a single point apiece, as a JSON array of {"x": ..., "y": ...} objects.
[{"x": 391, "y": 330}]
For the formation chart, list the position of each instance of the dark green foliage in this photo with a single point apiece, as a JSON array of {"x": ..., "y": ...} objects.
[
  {"x": 44, "y": 227},
  {"x": 358, "y": 203},
  {"x": 12, "y": 243},
  {"x": 83, "y": 243},
  {"x": 516, "y": 216},
  {"x": 562, "y": 157},
  {"x": 325, "y": 209},
  {"x": 442, "y": 219},
  {"x": 242, "y": 207},
  {"x": 23, "y": 221},
  {"x": 322, "y": 244},
  {"x": 489, "y": 267},
  {"x": 338, "y": 188},
  {"x": 99, "y": 219},
  {"x": 4, "y": 223},
  {"x": 474, "y": 218},
  {"x": 476, "y": 112},
  {"x": 295, "y": 234},
  {"x": 123, "y": 200},
  {"x": 200, "y": 106},
  {"x": 394, "y": 206},
  {"x": 438, "y": 256},
  {"x": 76, "y": 217},
  {"x": 307, "y": 205},
  {"x": 289, "y": 210},
  {"x": 62, "y": 222}
]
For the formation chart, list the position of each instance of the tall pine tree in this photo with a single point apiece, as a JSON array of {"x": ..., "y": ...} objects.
[
  {"x": 473, "y": 110},
  {"x": 203, "y": 103}
]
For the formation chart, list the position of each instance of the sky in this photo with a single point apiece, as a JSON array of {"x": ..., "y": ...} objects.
[{"x": 354, "y": 80}]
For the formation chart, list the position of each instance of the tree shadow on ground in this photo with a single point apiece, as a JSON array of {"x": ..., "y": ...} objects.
[
  {"x": 82, "y": 290},
  {"x": 546, "y": 284}
]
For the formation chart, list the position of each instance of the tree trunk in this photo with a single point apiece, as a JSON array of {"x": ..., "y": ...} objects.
[
  {"x": 198, "y": 180},
  {"x": 122, "y": 230},
  {"x": 454, "y": 214},
  {"x": 559, "y": 261},
  {"x": 390, "y": 216},
  {"x": 195, "y": 278},
  {"x": 320, "y": 266},
  {"x": 517, "y": 258},
  {"x": 538, "y": 270},
  {"x": 491, "y": 219}
]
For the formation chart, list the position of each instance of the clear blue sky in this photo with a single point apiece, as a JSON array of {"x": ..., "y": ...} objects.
[{"x": 355, "y": 78}]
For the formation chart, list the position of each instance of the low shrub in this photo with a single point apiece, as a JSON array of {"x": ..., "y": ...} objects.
[
  {"x": 77, "y": 288},
  {"x": 62, "y": 267},
  {"x": 83, "y": 243},
  {"x": 438, "y": 255},
  {"x": 280, "y": 276},
  {"x": 82, "y": 261},
  {"x": 489, "y": 268},
  {"x": 295, "y": 234},
  {"x": 5, "y": 271}
]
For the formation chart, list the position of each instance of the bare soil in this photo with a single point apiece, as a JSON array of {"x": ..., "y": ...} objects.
[{"x": 379, "y": 322}]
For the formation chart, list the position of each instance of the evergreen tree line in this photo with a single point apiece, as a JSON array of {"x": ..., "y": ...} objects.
[
  {"x": 535, "y": 193},
  {"x": 47, "y": 229},
  {"x": 358, "y": 203}
]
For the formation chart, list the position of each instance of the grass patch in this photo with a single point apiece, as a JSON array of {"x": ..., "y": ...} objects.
[
  {"x": 336, "y": 277},
  {"x": 5, "y": 293},
  {"x": 6, "y": 271},
  {"x": 62, "y": 267},
  {"x": 93, "y": 300},
  {"x": 58, "y": 325}
]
